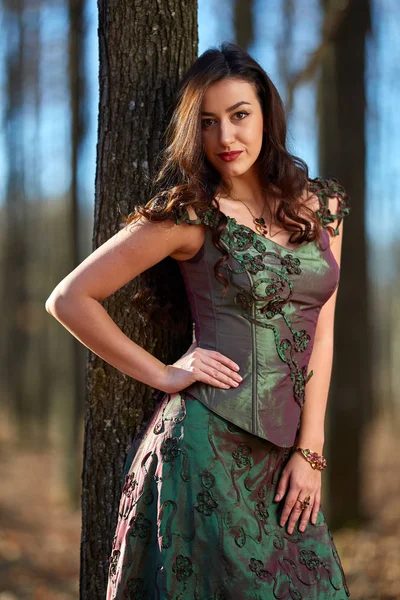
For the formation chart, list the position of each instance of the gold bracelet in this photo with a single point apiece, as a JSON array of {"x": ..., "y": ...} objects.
[{"x": 317, "y": 461}]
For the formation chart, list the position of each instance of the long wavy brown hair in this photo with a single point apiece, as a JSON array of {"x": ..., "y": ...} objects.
[{"x": 186, "y": 178}]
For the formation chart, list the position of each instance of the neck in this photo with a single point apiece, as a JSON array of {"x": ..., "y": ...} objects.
[{"x": 247, "y": 188}]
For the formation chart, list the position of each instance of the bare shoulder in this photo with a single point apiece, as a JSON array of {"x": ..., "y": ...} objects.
[{"x": 136, "y": 247}]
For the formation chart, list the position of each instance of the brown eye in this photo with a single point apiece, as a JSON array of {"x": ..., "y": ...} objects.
[
  {"x": 242, "y": 112},
  {"x": 203, "y": 123}
]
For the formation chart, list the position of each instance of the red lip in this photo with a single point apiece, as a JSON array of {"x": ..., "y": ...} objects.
[{"x": 228, "y": 156}]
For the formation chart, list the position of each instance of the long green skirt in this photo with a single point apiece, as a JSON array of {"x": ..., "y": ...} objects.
[{"x": 197, "y": 519}]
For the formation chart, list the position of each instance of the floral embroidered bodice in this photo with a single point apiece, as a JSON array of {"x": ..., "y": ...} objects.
[{"x": 266, "y": 321}]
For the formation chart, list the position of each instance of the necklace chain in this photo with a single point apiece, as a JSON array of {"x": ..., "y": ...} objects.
[{"x": 259, "y": 222}]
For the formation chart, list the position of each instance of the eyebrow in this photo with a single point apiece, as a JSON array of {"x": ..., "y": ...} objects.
[{"x": 228, "y": 109}]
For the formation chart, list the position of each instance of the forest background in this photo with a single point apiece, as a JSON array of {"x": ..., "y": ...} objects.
[{"x": 335, "y": 64}]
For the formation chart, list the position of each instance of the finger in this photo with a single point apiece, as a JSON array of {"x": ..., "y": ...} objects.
[
  {"x": 214, "y": 375},
  {"x": 210, "y": 379},
  {"x": 294, "y": 515},
  {"x": 214, "y": 364},
  {"x": 282, "y": 485},
  {"x": 316, "y": 507},
  {"x": 223, "y": 359},
  {"x": 290, "y": 504},
  {"x": 305, "y": 517}
]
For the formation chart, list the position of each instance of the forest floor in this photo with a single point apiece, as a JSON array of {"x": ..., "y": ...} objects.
[{"x": 40, "y": 535}]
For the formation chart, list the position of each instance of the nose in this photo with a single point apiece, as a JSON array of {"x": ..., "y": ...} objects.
[{"x": 226, "y": 133}]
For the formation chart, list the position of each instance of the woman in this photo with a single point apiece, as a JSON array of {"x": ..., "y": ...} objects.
[{"x": 222, "y": 491}]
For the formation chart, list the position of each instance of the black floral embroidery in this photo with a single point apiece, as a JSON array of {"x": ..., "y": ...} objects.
[
  {"x": 243, "y": 300},
  {"x": 254, "y": 264},
  {"x": 295, "y": 594},
  {"x": 140, "y": 526},
  {"x": 232, "y": 427},
  {"x": 258, "y": 568},
  {"x": 136, "y": 589},
  {"x": 207, "y": 479},
  {"x": 240, "y": 537},
  {"x": 268, "y": 295},
  {"x": 130, "y": 484},
  {"x": 148, "y": 497},
  {"x": 242, "y": 238},
  {"x": 175, "y": 525},
  {"x": 309, "y": 559},
  {"x": 337, "y": 559},
  {"x": 222, "y": 595},
  {"x": 301, "y": 340},
  {"x": 166, "y": 516},
  {"x": 113, "y": 563},
  {"x": 261, "y": 512},
  {"x": 158, "y": 427},
  {"x": 179, "y": 213},
  {"x": 182, "y": 567},
  {"x": 241, "y": 455},
  {"x": 205, "y": 503},
  {"x": 291, "y": 263},
  {"x": 125, "y": 512},
  {"x": 326, "y": 189},
  {"x": 170, "y": 449}
]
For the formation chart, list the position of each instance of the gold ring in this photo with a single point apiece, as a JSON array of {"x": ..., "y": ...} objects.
[{"x": 305, "y": 503}]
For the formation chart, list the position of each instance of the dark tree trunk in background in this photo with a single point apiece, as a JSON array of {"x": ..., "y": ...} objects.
[
  {"x": 40, "y": 372},
  {"x": 285, "y": 47},
  {"x": 145, "y": 48},
  {"x": 24, "y": 350},
  {"x": 342, "y": 145},
  {"x": 15, "y": 295},
  {"x": 243, "y": 22}
]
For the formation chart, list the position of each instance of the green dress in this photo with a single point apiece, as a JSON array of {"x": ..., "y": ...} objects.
[{"x": 197, "y": 517}]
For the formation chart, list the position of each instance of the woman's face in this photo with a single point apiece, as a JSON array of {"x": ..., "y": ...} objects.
[{"x": 231, "y": 120}]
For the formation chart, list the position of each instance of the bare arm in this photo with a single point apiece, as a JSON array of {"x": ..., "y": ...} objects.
[
  {"x": 75, "y": 302},
  {"x": 298, "y": 479},
  {"x": 317, "y": 389}
]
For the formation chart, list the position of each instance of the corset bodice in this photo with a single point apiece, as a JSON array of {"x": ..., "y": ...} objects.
[{"x": 266, "y": 320}]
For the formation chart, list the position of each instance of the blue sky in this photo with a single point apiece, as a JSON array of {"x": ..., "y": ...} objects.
[
  {"x": 216, "y": 25},
  {"x": 51, "y": 137}
]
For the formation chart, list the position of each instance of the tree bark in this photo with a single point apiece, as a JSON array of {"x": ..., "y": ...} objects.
[
  {"x": 15, "y": 290},
  {"x": 243, "y": 12},
  {"x": 145, "y": 48},
  {"x": 342, "y": 154}
]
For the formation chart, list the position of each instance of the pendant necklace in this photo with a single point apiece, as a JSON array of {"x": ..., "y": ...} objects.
[{"x": 259, "y": 222}]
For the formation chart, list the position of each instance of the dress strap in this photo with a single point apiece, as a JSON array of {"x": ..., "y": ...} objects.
[
  {"x": 325, "y": 189},
  {"x": 180, "y": 214}
]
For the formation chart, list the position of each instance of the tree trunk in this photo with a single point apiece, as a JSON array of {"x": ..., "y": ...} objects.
[
  {"x": 145, "y": 48},
  {"x": 15, "y": 294},
  {"x": 342, "y": 154},
  {"x": 243, "y": 12}
]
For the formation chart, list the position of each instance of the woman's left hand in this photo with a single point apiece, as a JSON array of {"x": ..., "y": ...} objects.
[{"x": 300, "y": 480}]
